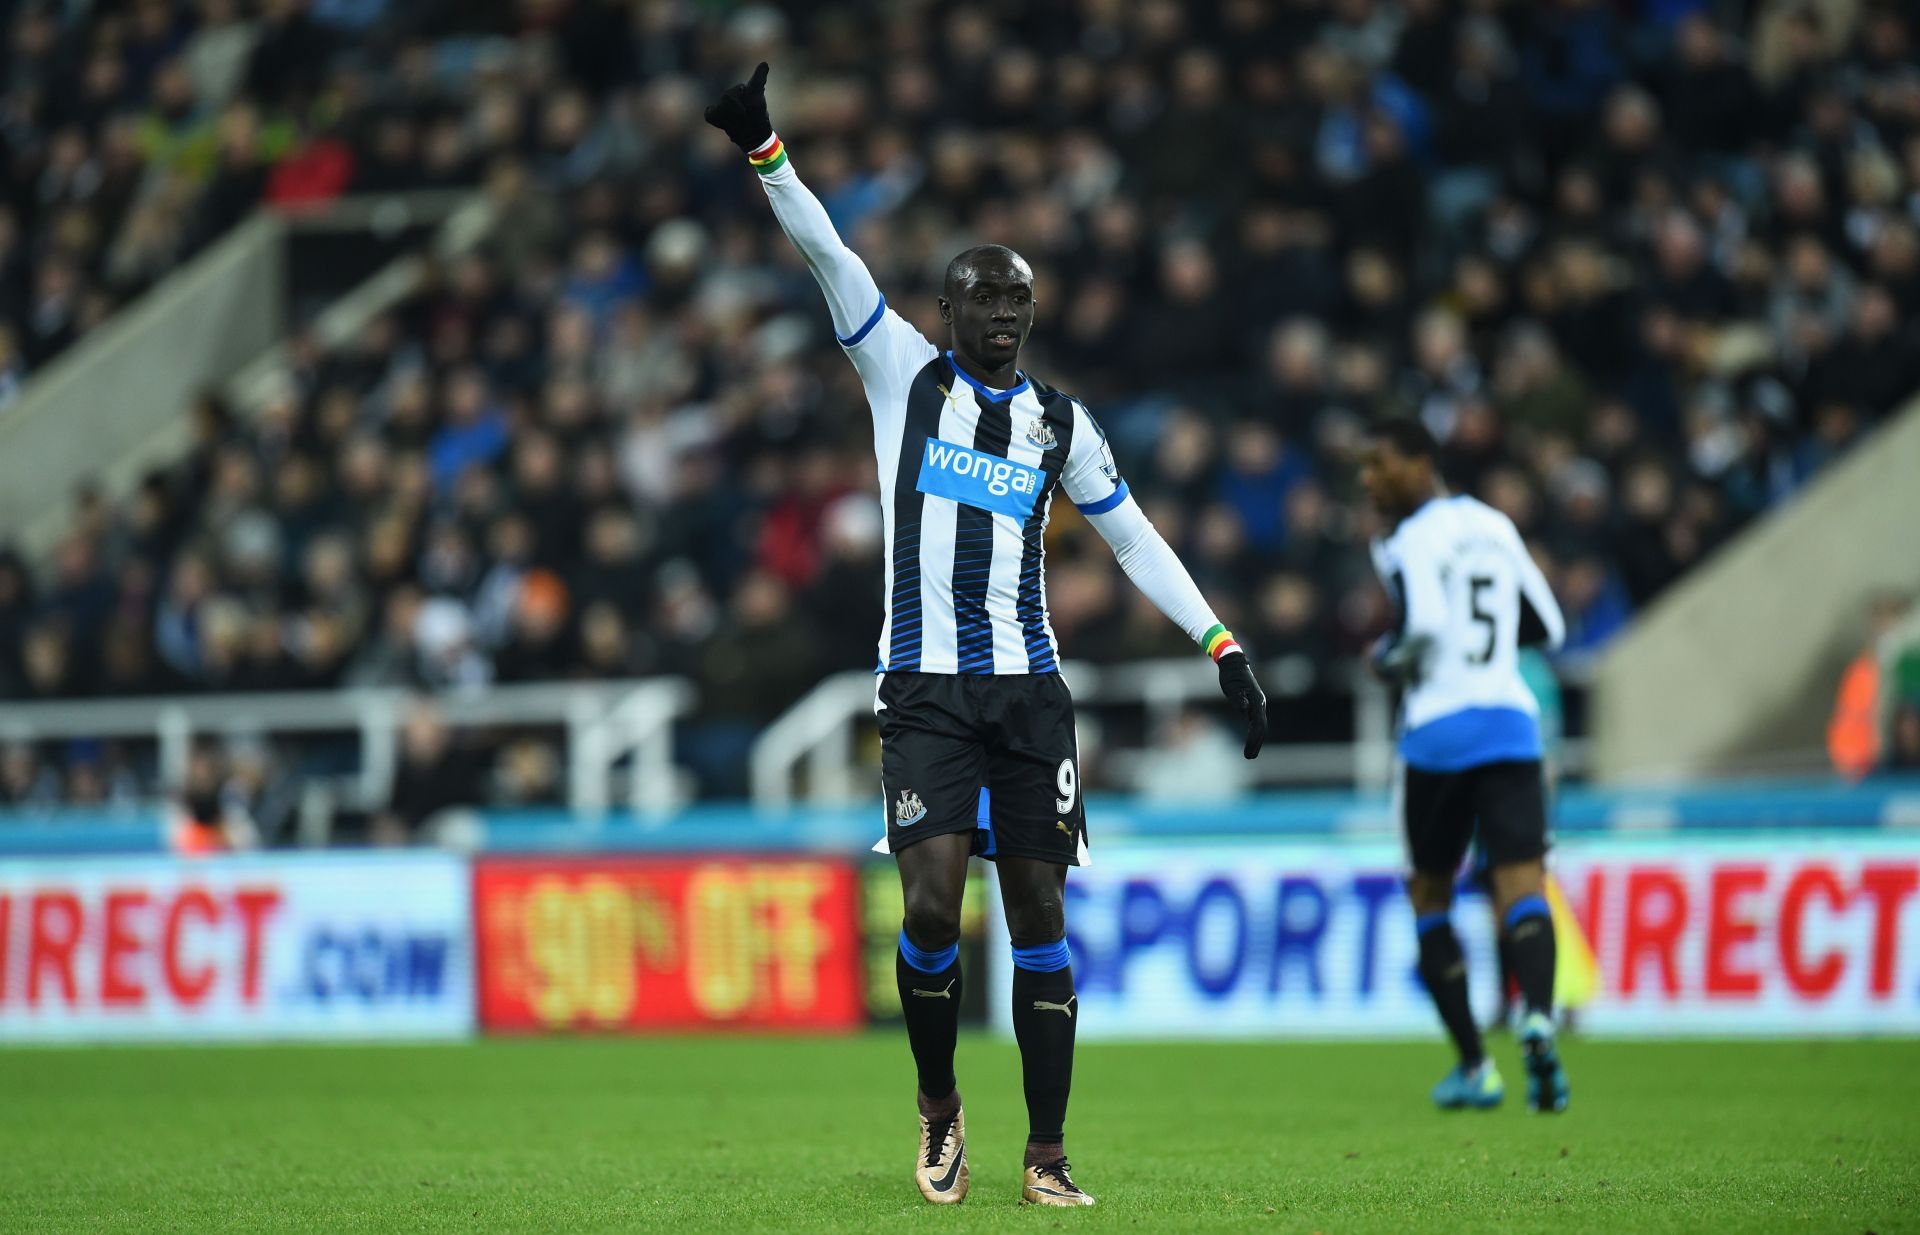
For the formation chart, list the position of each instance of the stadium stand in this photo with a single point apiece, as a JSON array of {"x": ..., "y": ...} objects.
[{"x": 619, "y": 439}]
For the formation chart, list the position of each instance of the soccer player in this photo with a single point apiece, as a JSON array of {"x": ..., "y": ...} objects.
[
  {"x": 1469, "y": 596},
  {"x": 976, "y": 725}
]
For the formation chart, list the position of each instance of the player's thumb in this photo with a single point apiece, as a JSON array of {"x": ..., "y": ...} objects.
[{"x": 1256, "y": 725}]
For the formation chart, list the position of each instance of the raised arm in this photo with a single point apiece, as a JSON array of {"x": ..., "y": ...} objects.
[
  {"x": 1093, "y": 483},
  {"x": 852, "y": 296}
]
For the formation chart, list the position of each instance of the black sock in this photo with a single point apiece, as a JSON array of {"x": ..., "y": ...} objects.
[
  {"x": 1529, "y": 940},
  {"x": 1443, "y": 967},
  {"x": 1508, "y": 987},
  {"x": 930, "y": 1001},
  {"x": 1044, "y": 1012}
]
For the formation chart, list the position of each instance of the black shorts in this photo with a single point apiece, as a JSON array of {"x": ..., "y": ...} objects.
[
  {"x": 1505, "y": 803},
  {"x": 991, "y": 755}
]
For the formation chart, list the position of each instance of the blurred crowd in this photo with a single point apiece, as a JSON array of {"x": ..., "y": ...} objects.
[
  {"x": 1644, "y": 267},
  {"x": 133, "y": 133}
]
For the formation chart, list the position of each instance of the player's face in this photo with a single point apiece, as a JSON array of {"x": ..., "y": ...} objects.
[
  {"x": 992, "y": 312},
  {"x": 1392, "y": 480}
]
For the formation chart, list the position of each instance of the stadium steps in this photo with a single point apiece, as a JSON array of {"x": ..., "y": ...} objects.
[
  {"x": 112, "y": 407},
  {"x": 1734, "y": 668}
]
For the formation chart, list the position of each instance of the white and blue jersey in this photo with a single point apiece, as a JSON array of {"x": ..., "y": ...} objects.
[
  {"x": 1465, "y": 584},
  {"x": 967, "y": 478}
]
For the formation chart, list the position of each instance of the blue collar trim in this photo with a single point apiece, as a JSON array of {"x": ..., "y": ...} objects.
[{"x": 998, "y": 396}]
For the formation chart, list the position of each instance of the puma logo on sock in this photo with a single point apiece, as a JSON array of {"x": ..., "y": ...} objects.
[
  {"x": 1041, "y": 1005},
  {"x": 940, "y": 994}
]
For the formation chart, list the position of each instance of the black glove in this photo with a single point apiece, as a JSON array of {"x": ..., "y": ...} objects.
[
  {"x": 1398, "y": 661},
  {"x": 741, "y": 112},
  {"x": 1237, "y": 684}
]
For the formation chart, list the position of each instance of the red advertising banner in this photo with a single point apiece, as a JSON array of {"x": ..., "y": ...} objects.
[
  {"x": 237, "y": 947},
  {"x": 667, "y": 943}
]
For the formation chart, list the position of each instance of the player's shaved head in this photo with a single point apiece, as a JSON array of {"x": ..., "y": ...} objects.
[
  {"x": 988, "y": 303},
  {"x": 980, "y": 259}
]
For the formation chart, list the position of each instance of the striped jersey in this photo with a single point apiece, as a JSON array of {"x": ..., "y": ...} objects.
[{"x": 967, "y": 477}]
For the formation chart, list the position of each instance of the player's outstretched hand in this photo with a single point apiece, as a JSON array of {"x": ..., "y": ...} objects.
[
  {"x": 741, "y": 112},
  {"x": 1397, "y": 661},
  {"x": 1237, "y": 684}
]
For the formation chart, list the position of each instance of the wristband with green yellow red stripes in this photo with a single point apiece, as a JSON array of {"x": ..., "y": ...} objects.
[
  {"x": 769, "y": 156},
  {"x": 1219, "y": 642}
]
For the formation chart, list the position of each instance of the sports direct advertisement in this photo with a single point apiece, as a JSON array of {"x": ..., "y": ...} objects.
[
  {"x": 269, "y": 947},
  {"x": 667, "y": 943},
  {"x": 1788, "y": 935}
]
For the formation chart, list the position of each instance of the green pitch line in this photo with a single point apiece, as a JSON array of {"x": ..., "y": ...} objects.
[{"x": 770, "y": 1134}]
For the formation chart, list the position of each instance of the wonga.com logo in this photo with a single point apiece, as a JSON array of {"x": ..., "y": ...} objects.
[{"x": 987, "y": 481}]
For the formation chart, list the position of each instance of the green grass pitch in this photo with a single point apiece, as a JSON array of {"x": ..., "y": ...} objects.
[{"x": 817, "y": 1135}]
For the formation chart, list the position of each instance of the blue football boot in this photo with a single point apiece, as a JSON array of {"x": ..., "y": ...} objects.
[
  {"x": 1479, "y": 1087},
  {"x": 1547, "y": 1089}
]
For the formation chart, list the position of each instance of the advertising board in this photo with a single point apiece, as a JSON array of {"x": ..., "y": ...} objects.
[
  {"x": 667, "y": 943},
  {"x": 1778, "y": 936},
  {"x": 319, "y": 946}
]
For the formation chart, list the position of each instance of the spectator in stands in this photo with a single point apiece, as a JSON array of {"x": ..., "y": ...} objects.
[
  {"x": 434, "y": 774},
  {"x": 17, "y": 608},
  {"x": 1878, "y": 691},
  {"x": 1904, "y": 755},
  {"x": 208, "y": 816},
  {"x": 26, "y": 783},
  {"x": 527, "y": 774},
  {"x": 1194, "y": 761}
]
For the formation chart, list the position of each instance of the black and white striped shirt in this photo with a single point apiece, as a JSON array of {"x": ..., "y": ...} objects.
[{"x": 967, "y": 479}]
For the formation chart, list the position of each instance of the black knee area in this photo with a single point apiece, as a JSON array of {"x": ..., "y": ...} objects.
[
  {"x": 1041, "y": 919},
  {"x": 930, "y": 922}
]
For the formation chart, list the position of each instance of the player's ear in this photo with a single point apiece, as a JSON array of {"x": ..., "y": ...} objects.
[{"x": 946, "y": 311}]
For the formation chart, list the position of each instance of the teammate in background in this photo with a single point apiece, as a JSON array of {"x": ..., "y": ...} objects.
[
  {"x": 976, "y": 725},
  {"x": 1469, "y": 596}
]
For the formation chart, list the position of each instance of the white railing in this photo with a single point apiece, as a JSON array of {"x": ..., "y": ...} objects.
[
  {"x": 817, "y": 735},
  {"x": 605, "y": 722},
  {"x": 817, "y": 731}
]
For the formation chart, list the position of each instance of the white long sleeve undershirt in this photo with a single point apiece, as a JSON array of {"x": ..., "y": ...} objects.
[
  {"x": 854, "y": 300},
  {"x": 1154, "y": 568},
  {"x": 852, "y": 295}
]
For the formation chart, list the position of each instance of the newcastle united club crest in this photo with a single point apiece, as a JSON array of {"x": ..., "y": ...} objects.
[
  {"x": 909, "y": 810},
  {"x": 1040, "y": 433}
]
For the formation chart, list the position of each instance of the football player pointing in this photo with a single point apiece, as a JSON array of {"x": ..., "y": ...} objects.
[
  {"x": 976, "y": 725},
  {"x": 1469, "y": 596}
]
